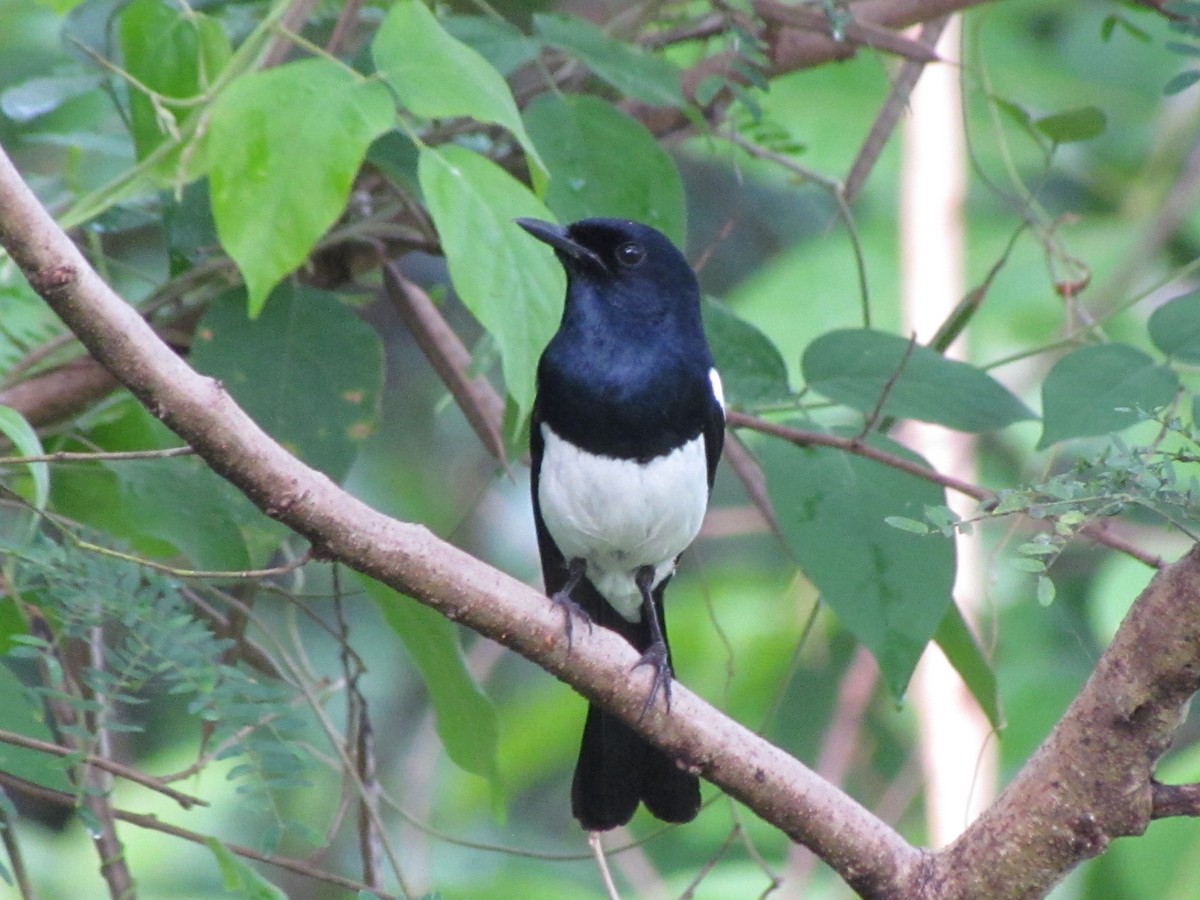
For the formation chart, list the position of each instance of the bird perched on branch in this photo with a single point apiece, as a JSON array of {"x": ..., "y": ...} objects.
[{"x": 627, "y": 429}]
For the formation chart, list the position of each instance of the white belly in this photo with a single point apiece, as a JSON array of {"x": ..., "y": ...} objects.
[{"x": 620, "y": 515}]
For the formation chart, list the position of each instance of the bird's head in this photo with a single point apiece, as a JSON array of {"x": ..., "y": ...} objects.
[{"x": 632, "y": 266}]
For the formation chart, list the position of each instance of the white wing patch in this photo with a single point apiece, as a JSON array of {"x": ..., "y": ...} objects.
[
  {"x": 714, "y": 378},
  {"x": 620, "y": 515}
]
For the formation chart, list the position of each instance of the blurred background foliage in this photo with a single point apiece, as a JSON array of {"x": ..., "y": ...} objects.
[{"x": 476, "y": 793}]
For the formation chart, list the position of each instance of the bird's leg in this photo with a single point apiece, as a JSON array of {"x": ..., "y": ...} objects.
[
  {"x": 562, "y": 598},
  {"x": 656, "y": 654}
]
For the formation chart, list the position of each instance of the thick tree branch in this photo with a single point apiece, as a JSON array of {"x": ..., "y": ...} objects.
[
  {"x": 1090, "y": 782},
  {"x": 1092, "y": 779}
]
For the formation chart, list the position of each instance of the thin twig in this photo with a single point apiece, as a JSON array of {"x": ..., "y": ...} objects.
[
  {"x": 888, "y": 386},
  {"x": 187, "y": 801},
  {"x": 98, "y": 456},
  {"x": 475, "y": 396},
  {"x": 16, "y": 860},
  {"x": 1175, "y": 800},
  {"x": 893, "y": 109}
]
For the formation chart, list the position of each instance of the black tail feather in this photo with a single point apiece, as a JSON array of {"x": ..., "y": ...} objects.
[{"x": 617, "y": 768}]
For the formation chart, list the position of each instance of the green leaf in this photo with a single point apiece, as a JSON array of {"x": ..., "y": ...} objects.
[
  {"x": 1181, "y": 82},
  {"x": 285, "y": 145},
  {"x": 628, "y": 68},
  {"x": 752, "y": 370},
  {"x": 22, "y": 436},
  {"x": 175, "y": 54},
  {"x": 239, "y": 878},
  {"x": 308, "y": 370},
  {"x": 1175, "y": 327},
  {"x": 906, "y": 524},
  {"x": 499, "y": 42},
  {"x": 889, "y": 588},
  {"x": 20, "y": 715},
  {"x": 1098, "y": 389},
  {"x": 466, "y": 718},
  {"x": 603, "y": 163},
  {"x": 438, "y": 77},
  {"x": 1074, "y": 125},
  {"x": 511, "y": 283},
  {"x": 36, "y": 97},
  {"x": 964, "y": 653},
  {"x": 1045, "y": 590},
  {"x": 855, "y": 367}
]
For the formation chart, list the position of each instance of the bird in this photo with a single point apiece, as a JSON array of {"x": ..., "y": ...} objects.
[{"x": 626, "y": 430}]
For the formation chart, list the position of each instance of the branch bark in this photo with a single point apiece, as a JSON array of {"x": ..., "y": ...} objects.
[{"x": 1090, "y": 782}]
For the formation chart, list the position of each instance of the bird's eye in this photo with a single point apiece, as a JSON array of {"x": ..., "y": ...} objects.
[{"x": 631, "y": 254}]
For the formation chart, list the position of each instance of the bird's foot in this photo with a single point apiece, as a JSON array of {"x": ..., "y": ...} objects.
[
  {"x": 576, "y": 569},
  {"x": 656, "y": 658}
]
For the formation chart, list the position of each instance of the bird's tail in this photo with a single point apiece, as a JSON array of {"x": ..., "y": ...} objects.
[{"x": 617, "y": 768}]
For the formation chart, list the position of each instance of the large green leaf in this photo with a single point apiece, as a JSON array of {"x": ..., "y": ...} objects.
[
  {"x": 21, "y": 435},
  {"x": 20, "y": 715},
  {"x": 752, "y": 370},
  {"x": 439, "y": 77},
  {"x": 466, "y": 718},
  {"x": 856, "y": 367},
  {"x": 889, "y": 587},
  {"x": 1099, "y": 389},
  {"x": 173, "y": 53},
  {"x": 627, "y": 67},
  {"x": 284, "y": 145},
  {"x": 603, "y": 163},
  {"x": 308, "y": 370},
  {"x": 511, "y": 283},
  {"x": 1175, "y": 327}
]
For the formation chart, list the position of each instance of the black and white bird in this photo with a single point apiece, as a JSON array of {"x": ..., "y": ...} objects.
[{"x": 627, "y": 429}]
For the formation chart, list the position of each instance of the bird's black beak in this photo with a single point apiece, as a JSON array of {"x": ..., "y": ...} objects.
[{"x": 558, "y": 238}]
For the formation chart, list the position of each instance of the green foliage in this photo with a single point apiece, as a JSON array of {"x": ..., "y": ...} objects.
[
  {"x": 1073, "y": 125},
  {"x": 25, "y": 440},
  {"x": 152, "y": 642},
  {"x": 307, "y": 369},
  {"x": 466, "y": 718},
  {"x": 284, "y": 146},
  {"x": 240, "y": 879},
  {"x": 172, "y": 57},
  {"x": 628, "y": 69},
  {"x": 21, "y": 714},
  {"x": 752, "y": 370},
  {"x": 890, "y": 589},
  {"x": 438, "y": 77},
  {"x": 162, "y": 507},
  {"x": 1099, "y": 389},
  {"x": 515, "y": 288},
  {"x": 858, "y": 367},
  {"x": 1175, "y": 328},
  {"x": 588, "y": 146}
]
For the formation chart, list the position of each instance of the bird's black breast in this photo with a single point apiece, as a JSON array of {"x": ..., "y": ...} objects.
[{"x": 621, "y": 401}]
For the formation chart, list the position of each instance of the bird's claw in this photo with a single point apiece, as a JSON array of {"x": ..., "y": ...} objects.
[
  {"x": 570, "y": 609},
  {"x": 656, "y": 657}
]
